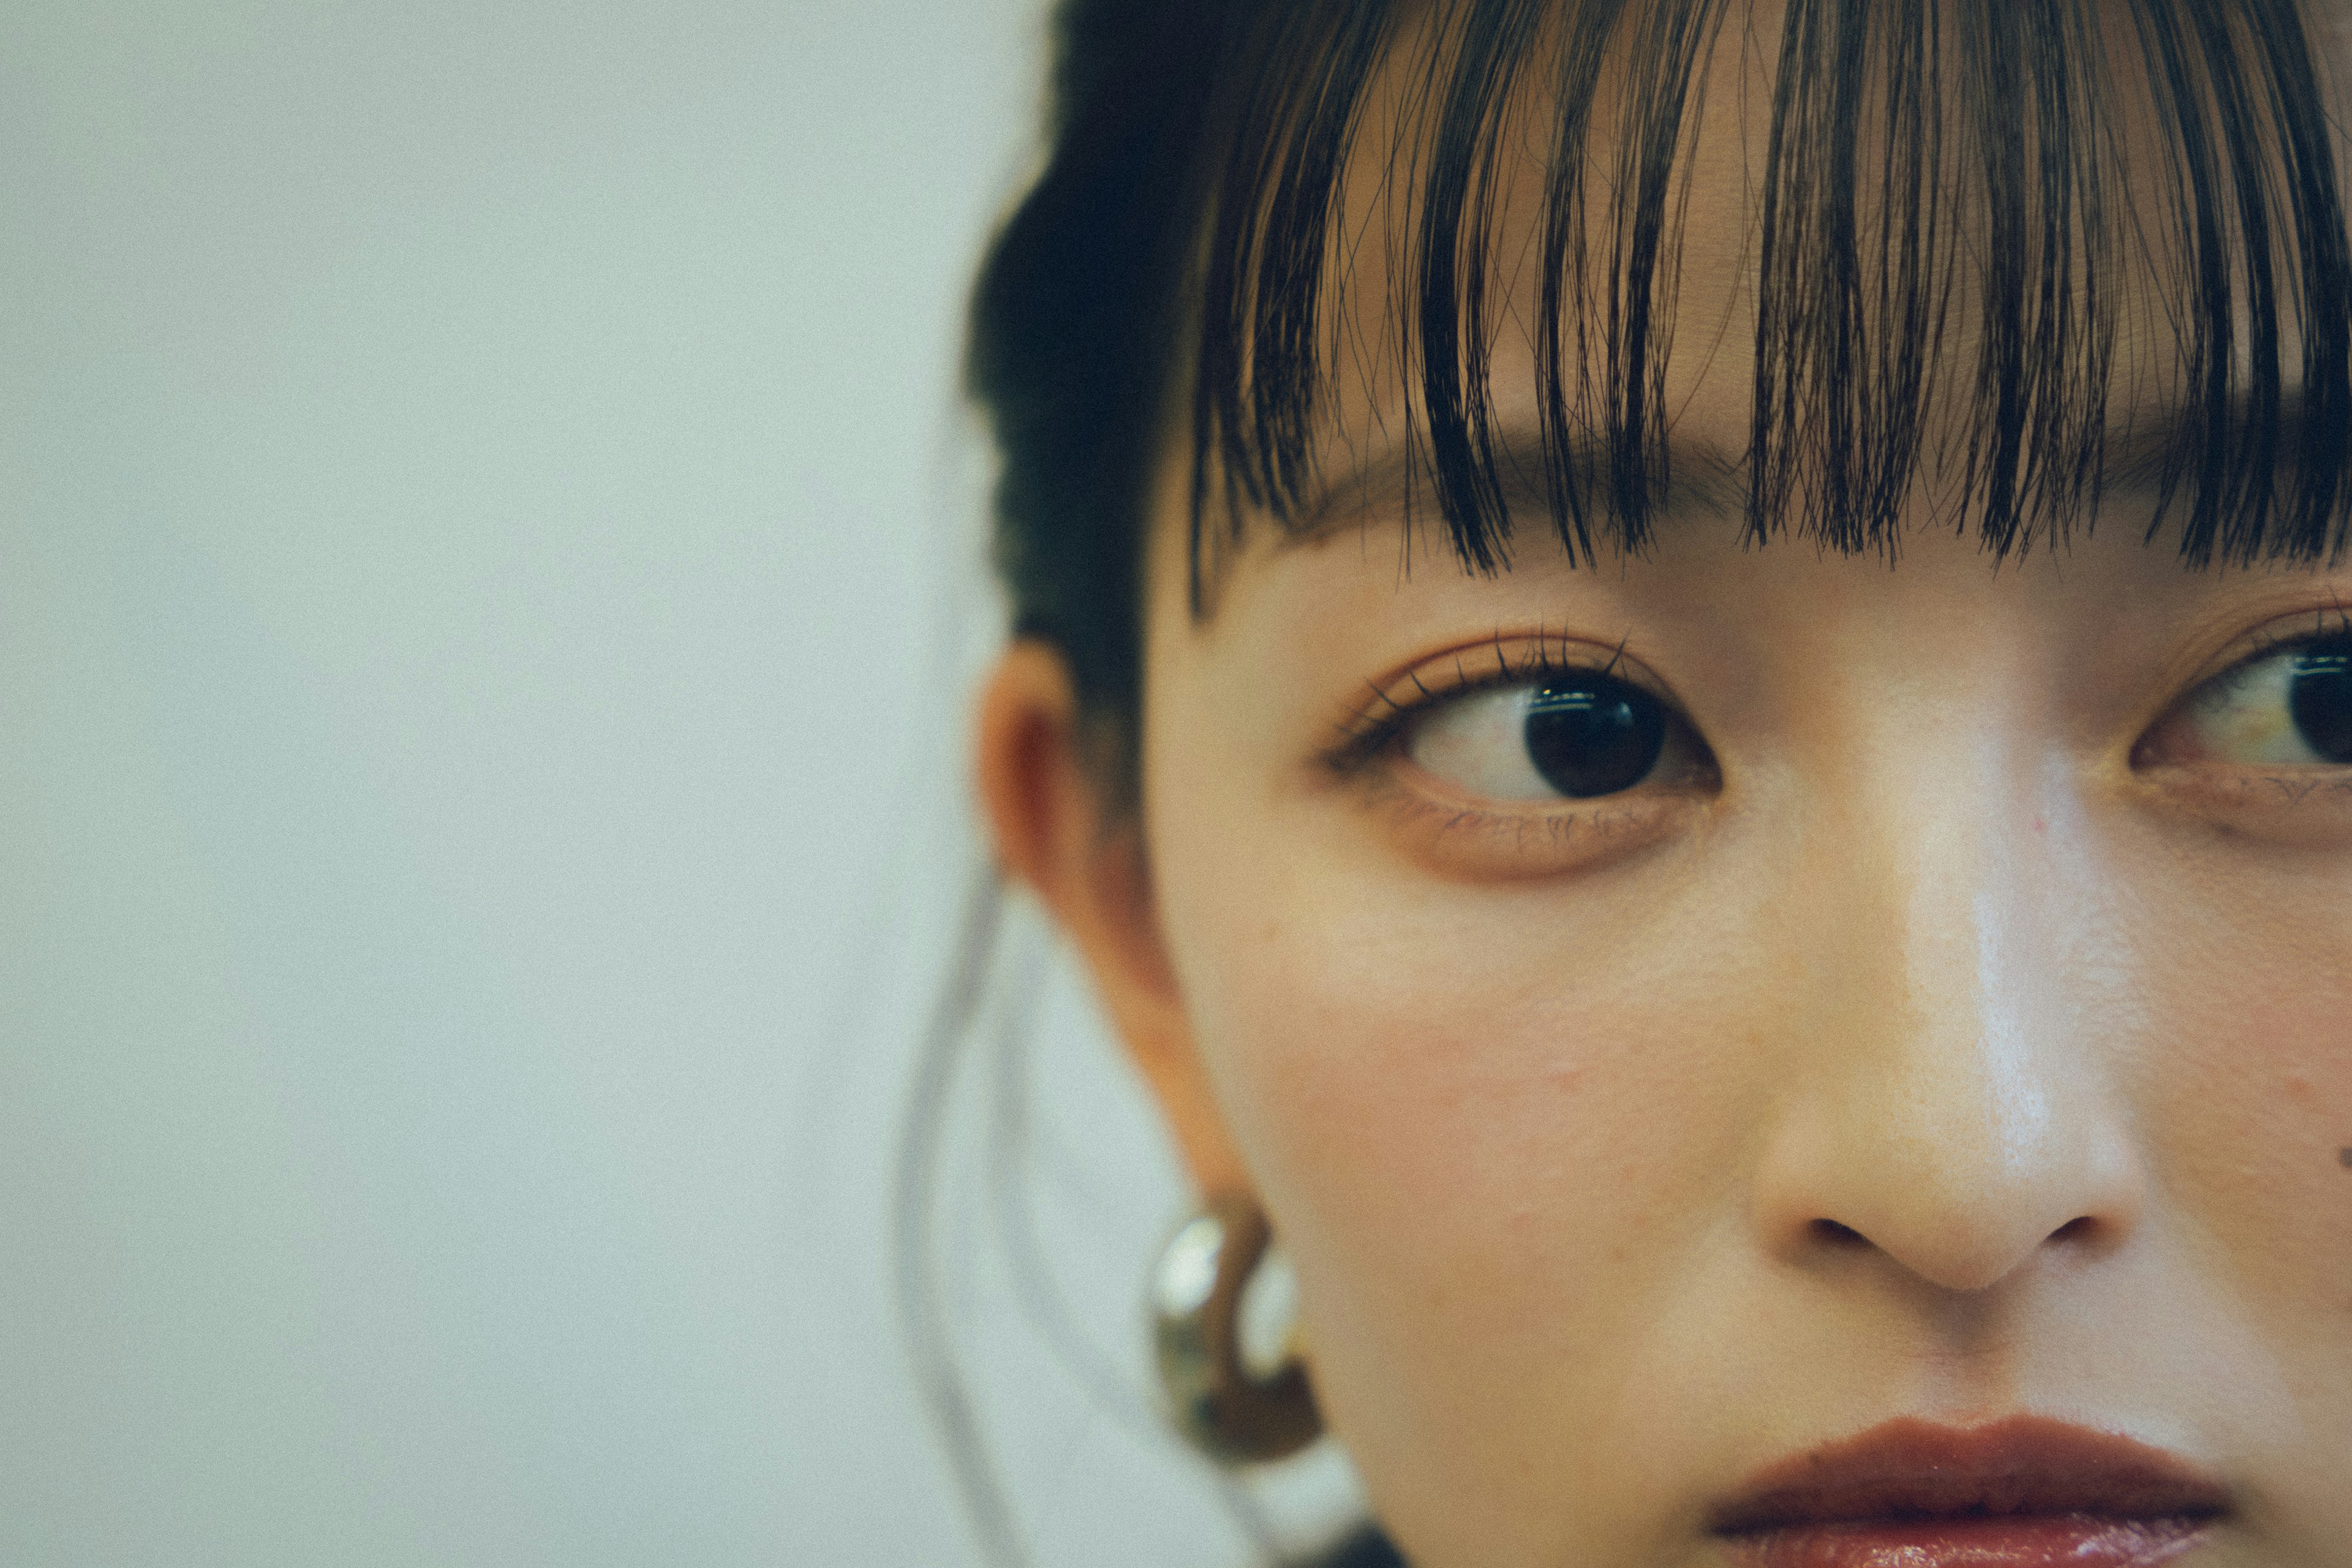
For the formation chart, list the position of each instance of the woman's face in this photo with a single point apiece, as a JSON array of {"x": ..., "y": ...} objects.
[
  {"x": 1685, "y": 1015},
  {"x": 1955, "y": 1022}
]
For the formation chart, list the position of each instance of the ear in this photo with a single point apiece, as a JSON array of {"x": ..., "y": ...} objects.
[{"x": 1049, "y": 805}]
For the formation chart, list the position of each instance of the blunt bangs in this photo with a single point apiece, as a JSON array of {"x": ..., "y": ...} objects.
[{"x": 1947, "y": 200}]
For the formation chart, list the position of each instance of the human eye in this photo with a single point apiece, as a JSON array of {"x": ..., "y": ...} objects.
[
  {"x": 1575, "y": 735},
  {"x": 2273, "y": 730},
  {"x": 2291, "y": 707},
  {"x": 1514, "y": 759}
]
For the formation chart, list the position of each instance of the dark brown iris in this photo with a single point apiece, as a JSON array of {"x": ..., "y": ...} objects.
[
  {"x": 2321, "y": 698},
  {"x": 1594, "y": 735}
]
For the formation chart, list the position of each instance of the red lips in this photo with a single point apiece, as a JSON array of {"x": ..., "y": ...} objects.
[{"x": 2020, "y": 1493}]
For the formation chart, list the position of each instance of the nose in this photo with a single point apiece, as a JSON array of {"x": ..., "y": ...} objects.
[{"x": 1950, "y": 1103}]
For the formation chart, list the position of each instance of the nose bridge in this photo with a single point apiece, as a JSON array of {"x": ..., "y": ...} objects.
[
  {"x": 1946, "y": 1112},
  {"x": 1967, "y": 983}
]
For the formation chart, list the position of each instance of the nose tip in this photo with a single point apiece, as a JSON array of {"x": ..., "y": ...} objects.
[
  {"x": 1954, "y": 1234},
  {"x": 1959, "y": 1141},
  {"x": 1960, "y": 1264}
]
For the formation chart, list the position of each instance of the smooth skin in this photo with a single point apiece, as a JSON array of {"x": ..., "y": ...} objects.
[{"x": 1962, "y": 1028}]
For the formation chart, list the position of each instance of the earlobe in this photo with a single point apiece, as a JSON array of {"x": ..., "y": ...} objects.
[{"x": 1058, "y": 833}]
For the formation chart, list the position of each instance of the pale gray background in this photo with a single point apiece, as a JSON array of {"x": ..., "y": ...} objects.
[{"x": 488, "y": 584}]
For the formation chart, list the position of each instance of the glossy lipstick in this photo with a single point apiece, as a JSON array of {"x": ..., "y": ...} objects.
[{"x": 2024, "y": 1492}]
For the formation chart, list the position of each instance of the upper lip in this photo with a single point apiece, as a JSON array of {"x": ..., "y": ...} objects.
[{"x": 2020, "y": 1466}]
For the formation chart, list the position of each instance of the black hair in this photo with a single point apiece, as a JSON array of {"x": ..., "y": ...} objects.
[{"x": 1928, "y": 162}]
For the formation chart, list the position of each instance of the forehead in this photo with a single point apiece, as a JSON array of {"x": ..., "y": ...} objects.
[{"x": 1828, "y": 254}]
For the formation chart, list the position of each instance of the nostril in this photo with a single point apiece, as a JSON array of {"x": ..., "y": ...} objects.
[
  {"x": 2080, "y": 1228},
  {"x": 1835, "y": 1235}
]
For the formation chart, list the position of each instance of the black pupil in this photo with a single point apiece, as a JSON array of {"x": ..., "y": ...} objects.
[
  {"x": 2321, "y": 698},
  {"x": 1594, "y": 736}
]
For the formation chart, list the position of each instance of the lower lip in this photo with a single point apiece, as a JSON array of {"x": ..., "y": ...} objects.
[{"x": 2041, "y": 1541}]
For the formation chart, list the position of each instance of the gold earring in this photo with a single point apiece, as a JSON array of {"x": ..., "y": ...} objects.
[{"x": 1218, "y": 1305}]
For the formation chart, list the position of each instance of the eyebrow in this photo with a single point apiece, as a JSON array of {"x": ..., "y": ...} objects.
[
  {"x": 2139, "y": 449},
  {"x": 1701, "y": 479},
  {"x": 1698, "y": 479}
]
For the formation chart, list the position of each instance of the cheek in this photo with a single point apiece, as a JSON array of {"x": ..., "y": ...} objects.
[
  {"x": 2249, "y": 1105},
  {"x": 1495, "y": 1127},
  {"x": 2254, "y": 1089}
]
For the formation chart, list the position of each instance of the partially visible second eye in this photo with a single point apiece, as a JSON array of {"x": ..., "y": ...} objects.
[
  {"x": 2291, "y": 709},
  {"x": 1577, "y": 736}
]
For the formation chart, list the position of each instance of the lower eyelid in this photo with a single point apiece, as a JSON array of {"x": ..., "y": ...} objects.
[
  {"x": 2255, "y": 783},
  {"x": 1493, "y": 841},
  {"x": 1559, "y": 819},
  {"x": 2294, "y": 809}
]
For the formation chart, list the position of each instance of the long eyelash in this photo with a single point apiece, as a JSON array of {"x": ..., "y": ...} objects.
[{"x": 1388, "y": 711}]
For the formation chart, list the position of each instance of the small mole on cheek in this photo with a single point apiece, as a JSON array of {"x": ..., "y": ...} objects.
[
  {"x": 2040, "y": 825},
  {"x": 2343, "y": 1158}
]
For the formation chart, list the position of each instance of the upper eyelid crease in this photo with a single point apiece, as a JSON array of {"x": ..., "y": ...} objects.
[{"x": 2333, "y": 619}]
